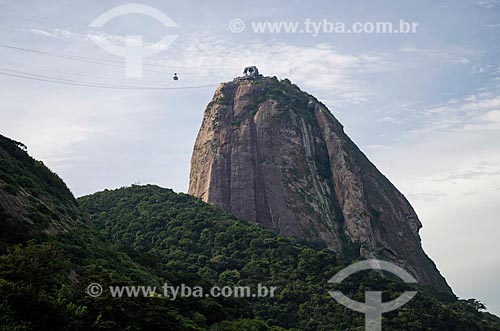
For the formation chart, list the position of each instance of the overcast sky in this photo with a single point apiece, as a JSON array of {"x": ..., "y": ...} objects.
[{"x": 425, "y": 107}]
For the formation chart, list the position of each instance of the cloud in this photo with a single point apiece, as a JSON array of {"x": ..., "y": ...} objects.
[
  {"x": 491, "y": 71},
  {"x": 377, "y": 147},
  {"x": 424, "y": 51},
  {"x": 488, "y": 3},
  {"x": 493, "y": 116},
  {"x": 472, "y": 112},
  {"x": 452, "y": 54},
  {"x": 487, "y": 121},
  {"x": 387, "y": 119},
  {"x": 426, "y": 196},
  {"x": 59, "y": 34},
  {"x": 461, "y": 60},
  {"x": 320, "y": 68},
  {"x": 66, "y": 35},
  {"x": 469, "y": 174}
]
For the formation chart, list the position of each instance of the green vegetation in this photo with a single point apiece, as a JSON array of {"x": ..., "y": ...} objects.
[
  {"x": 289, "y": 98},
  {"x": 32, "y": 198},
  {"x": 147, "y": 235},
  {"x": 193, "y": 238},
  {"x": 19, "y": 171}
]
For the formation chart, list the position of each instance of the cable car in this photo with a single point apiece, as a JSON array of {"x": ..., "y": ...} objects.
[{"x": 175, "y": 76}]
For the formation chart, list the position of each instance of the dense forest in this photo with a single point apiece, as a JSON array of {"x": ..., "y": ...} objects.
[{"x": 53, "y": 246}]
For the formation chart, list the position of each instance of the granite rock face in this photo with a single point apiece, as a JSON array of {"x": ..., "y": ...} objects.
[{"x": 275, "y": 156}]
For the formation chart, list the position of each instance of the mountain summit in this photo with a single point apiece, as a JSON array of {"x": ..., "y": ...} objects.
[{"x": 276, "y": 156}]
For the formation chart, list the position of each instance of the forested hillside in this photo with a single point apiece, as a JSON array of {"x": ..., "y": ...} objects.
[
  {"x": 210, "y": 246},
  {"x": 53, "y": 246}
]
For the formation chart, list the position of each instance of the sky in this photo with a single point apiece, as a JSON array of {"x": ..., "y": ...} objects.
[{"x": 424, "y": 106}]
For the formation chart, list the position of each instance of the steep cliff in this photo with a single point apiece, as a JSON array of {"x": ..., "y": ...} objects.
[{"x": 274, "y": 155}]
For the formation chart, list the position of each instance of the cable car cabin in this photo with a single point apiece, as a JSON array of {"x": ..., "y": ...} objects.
[{"x": 175, "y": 77}]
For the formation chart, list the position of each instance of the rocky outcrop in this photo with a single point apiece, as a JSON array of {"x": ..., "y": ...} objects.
[{"x": 274, "y": 155}]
